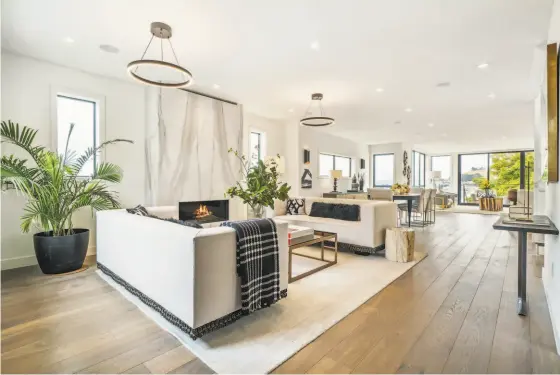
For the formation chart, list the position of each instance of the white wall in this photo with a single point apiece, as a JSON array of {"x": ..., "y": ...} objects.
[
  {"x": 27, "y": 92},
  {"x": 551, "y": 271},
  {"x": 318, "y": 141}
]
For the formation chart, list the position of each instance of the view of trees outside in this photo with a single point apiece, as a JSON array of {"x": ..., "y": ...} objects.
[
  {"x": 473, "y": 167},
  {"x": 255, "y": 149},
  {"x": 504, "y": 173}
]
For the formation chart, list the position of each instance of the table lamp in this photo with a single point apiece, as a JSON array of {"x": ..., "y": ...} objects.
[{"x": 336, "y": 174}]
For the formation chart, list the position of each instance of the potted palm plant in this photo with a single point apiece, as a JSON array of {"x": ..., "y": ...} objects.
[
  {"x": 55, "y": 191},
  {"x": 260, "y": 185}
]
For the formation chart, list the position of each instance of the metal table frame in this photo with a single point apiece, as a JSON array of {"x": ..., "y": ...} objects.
[
  {"x": 522, "y": 228},
  {"x": 318, "y": 237},
  {"x": 408, "y": 198}
]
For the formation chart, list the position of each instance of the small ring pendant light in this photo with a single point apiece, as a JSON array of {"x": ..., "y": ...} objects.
[
  {"x": 162, "y": 31},
  {"x": 319, "y": 120}
]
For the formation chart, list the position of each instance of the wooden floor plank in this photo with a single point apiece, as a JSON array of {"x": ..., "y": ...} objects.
[
  {"x": 453, "y": 312},
  {"x": 511, "y": 349},
  {"x": 472, "y": 348},
  {"x": 170, "y": 360}
]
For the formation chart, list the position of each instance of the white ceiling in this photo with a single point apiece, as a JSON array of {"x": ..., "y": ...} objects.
[{"x": 260, "y": 54}]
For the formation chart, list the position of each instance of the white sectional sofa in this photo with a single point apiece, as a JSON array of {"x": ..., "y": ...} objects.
[
  {"x": 364, "y": 236},
  {"x": 187, "y": 274}
]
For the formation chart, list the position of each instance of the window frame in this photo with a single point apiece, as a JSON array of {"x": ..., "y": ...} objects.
[
  {"x": 450, "y": 166},
  {"x": 333, "y": 163},
  {"x": 423, "y": 185},
  {"x": 260, "y": 142},
  {"x": 523, "y": 154},
  {"x": 373, "y": 170},
  {"x": 83, "y": 95}
]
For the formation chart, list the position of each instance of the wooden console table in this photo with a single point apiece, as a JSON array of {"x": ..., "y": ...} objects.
[
  {"x": 356, "y": 195},
  {"x": 492, "y": 204}
]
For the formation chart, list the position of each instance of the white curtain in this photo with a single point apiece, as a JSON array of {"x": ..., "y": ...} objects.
[{"x": 187, "y": 142}]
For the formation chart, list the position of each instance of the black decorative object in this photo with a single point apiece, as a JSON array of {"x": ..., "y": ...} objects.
[
  {"x": 306, "y": 156},
  {"x": 295, "y": 206},
  {"x": 306, "y": 179},
  {"x": 204, "y": 211},
  {"x": 407, "y": 173},
  {"x": 60, "y": 254},
  {"x": 362, "y": 164}
]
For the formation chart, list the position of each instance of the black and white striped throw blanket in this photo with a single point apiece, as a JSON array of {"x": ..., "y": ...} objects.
[{"x": 257, "y": 263}]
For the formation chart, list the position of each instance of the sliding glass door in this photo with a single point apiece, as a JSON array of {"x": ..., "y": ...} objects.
[
  {"x": 504, "y": 171},
  {"x": 472, "y": 168}
]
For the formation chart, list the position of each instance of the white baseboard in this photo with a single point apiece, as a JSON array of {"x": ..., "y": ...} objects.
[
  {"x": 31, "y": 260},
  {"x": 551, "y": 310},
  {"x": 17, "y": 262}
]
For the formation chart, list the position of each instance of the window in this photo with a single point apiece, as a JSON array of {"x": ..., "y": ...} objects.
[
  {"x": 418, "y": 169},
  {"x": 83, "y": 114},
  {"x": 383, "y": 170},
  {"x": 256, "y": 148},
  {"x": 505, "y": 171},
  {"x": 442, "y": 164},
  {"x": 328, "y": 162}
]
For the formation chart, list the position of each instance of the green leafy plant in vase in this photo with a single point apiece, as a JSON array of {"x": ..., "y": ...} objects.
[
  {"x": 260, "y": 185},
  {"x": 55, "y": 191}
]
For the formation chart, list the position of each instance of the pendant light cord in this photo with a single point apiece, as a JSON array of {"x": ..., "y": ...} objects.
[{"x": 146, "y": 50}]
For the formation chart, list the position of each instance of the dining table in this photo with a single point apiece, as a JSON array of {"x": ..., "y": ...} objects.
[{"x": 409, "y": 198}]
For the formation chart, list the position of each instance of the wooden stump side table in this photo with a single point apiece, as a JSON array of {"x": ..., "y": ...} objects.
[
  {"x": 491, "y": 204},
  {"x": 399, "y": 244}
]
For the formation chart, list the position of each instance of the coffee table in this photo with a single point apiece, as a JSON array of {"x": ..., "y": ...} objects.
[{"x": 318, "y": 237}]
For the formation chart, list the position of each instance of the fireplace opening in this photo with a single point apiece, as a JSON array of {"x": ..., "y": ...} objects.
[{"x": 204, "y": 211}]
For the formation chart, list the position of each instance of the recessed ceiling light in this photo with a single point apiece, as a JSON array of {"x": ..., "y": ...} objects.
[
  {"x": 431, "y": 125},
  {"x": 379, "y": 89},
  {"x": 108, "y": 48},
  {"x": 492, "y": 95},
  {"x": 408, "y": 110},
  {"x": 68, "y": 40},
  {"x": 315, "y": 45},
  {"x": 483, "y": 65},
  {"x": 216, "y": 86}
]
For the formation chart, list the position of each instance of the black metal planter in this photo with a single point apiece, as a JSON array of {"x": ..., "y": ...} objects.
[{"x": 61, "y": 254}]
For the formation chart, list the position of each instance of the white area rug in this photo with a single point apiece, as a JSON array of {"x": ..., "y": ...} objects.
[{"x": 262, "y": 341}]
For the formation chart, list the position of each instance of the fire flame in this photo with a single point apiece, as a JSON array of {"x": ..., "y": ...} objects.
[{"x": 202, "y": 211}]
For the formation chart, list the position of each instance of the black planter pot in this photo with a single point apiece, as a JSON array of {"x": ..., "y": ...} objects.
[{"x": 61, "y": 254}]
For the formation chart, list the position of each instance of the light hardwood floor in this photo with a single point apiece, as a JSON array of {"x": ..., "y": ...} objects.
[{"x": 452, "y": 313}]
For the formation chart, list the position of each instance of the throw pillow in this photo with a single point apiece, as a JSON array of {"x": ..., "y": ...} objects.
[
  {"x": 295, "y": 206},
  {"x": 347, "y": 212},
  {"x": 321, "y": 209},
  {"x": 191, "y": 224},
  {"x": 138, "y": 210}
]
